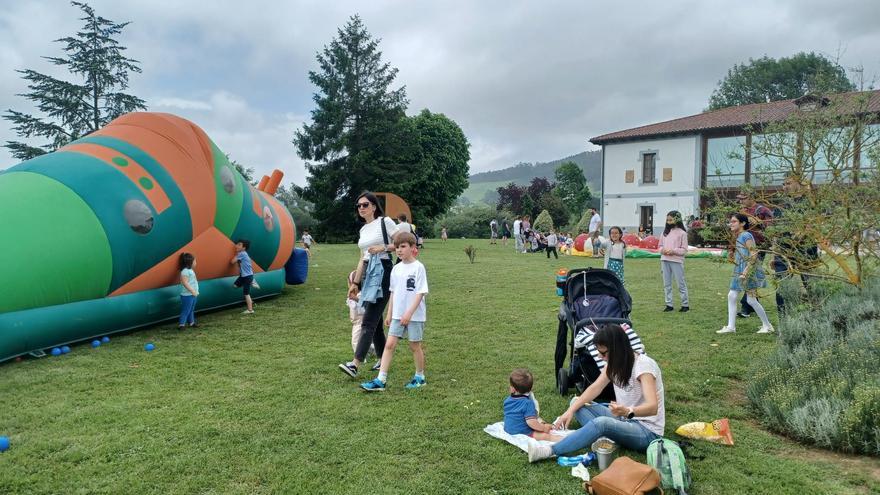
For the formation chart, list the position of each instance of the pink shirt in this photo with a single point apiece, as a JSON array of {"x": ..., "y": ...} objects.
[{"x": 677, "y": 241}]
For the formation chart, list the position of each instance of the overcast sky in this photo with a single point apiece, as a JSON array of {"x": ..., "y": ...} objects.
[{"x": 526, "y": 81}]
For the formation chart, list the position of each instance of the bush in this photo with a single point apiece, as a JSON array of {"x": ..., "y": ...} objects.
[
  {"x": 544, "y": 223},
  {"x": 822, "y": 384},
  {"x": 583, "y": 225},
  {"x": 470, "y": 221}
]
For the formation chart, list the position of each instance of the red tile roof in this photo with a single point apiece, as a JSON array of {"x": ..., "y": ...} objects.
[{"x": 731, "y": 117}]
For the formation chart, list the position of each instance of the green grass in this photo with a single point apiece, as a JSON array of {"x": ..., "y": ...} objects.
[{"x": 255, "y": 404}]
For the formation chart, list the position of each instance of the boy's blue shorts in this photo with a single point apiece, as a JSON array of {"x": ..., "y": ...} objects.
[
  {"x": 245, "y": 284},
  {"x": 414, "y": 332}
]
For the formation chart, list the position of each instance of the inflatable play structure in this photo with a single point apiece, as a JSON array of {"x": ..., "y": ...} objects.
[
  {"x": 92, "y": 233},
  {"x": 641, "y": 248}
]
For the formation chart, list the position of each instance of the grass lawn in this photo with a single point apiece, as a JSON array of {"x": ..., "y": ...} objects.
[{"x": 255, "y": 404}]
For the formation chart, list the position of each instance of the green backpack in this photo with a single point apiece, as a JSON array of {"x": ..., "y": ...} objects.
[{"x": 667, "y": 458}]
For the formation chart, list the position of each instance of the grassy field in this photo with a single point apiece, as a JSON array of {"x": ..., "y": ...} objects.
[{"x": 255, "y": 404}]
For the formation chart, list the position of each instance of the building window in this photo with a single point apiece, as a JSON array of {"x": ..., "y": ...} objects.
[
  {"x": 649, "y": 168},
  {"x": 726, "y": 162}
]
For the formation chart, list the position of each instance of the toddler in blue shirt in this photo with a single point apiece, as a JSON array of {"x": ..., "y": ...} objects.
[{"x": 521, "y": 409}]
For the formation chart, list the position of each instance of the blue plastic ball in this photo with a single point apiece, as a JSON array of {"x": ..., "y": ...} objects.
[
  {"x": 96, "y": 343},
  {"x": 105, "y": 339},
  {"x": 4, "y": 444},
  {"x": 56, "y": 351},
  {"x": 65, "y": 349},
  {"x": 149, "y": 347}
]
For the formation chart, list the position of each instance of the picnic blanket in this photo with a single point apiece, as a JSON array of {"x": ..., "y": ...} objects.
[{"x": 521, "y": 441}]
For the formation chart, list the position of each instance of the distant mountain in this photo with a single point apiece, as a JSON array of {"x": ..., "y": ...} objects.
[{"x": 589, "y": 161}]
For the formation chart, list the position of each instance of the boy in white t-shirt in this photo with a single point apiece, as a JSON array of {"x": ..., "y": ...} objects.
[
  {"x": 406, "y": 313},
  {"x": 307, "y": 241}
]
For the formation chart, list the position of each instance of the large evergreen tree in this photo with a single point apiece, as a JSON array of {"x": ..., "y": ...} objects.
[
  {"x": 356, "y": 111},
  {"x": 767, "y": 79},
  {"x": 74, "y": 109},
  {"x": 360, "y": 139}
]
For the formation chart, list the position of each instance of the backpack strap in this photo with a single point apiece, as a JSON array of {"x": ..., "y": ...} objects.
[
  {"x": 675, "y": 470},
  {"x": 384, "y": 232}
]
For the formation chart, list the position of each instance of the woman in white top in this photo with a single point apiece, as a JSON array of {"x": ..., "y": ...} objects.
[
  {"x": 372, "y": 242},
  {"x": 634, "y": 420}
]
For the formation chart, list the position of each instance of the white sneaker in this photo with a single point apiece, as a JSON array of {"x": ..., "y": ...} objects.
[
  {"x": 538, "y": 452},
  {"x": 767, "y": 329},
  {"x": 247, "y": 312},
  {"x": 255, "y": 285},
  {"x": 726, "y": 329}
]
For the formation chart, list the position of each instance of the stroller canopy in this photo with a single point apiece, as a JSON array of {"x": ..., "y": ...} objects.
[{"x": 596, "y": 281}]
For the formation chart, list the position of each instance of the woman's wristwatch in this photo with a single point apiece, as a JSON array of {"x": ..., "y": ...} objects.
[{"x": 631, "y": 414}]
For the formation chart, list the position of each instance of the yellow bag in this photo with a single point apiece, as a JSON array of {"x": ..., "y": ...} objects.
[{"x": 717, "y": 431}]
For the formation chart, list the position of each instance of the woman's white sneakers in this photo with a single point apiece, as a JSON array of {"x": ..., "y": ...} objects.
[
  {"x": 764, "y": 329},
  {"x": 767, "y": 329},
  {"x": 538, "y": 452}
]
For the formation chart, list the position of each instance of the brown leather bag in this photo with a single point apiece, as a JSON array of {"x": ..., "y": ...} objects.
[{"x": 625, "y": 477}]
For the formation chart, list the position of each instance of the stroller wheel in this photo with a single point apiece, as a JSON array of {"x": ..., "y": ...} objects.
[{"x": 562, "y": 381}]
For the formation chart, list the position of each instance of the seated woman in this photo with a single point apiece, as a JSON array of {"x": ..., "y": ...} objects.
[{"x": 634, "y": 420}]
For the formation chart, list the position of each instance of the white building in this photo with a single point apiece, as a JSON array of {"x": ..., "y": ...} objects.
[{"x": 650, "y": 170}]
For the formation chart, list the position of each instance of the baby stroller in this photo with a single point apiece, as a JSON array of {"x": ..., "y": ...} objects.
[{"x": 590, "y": 297}]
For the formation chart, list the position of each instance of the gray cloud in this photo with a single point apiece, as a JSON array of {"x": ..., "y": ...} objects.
[{"x": 527, "y": 81}]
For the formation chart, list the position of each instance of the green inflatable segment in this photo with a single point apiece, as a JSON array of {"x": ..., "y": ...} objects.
[
  {"x": 230, "y": 192},
  {"x": 42, "y": 328},
  {"x": 139, "y": 238},
  {"x": 54, "y": 247},
  {"x": 264, "y": 241}
]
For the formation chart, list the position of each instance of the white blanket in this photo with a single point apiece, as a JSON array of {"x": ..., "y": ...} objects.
[{"x": 521, "y": 441}]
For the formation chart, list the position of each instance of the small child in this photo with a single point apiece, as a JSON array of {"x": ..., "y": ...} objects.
[
  {"x": 614, "y": 250},
  {"x": 307, "y": 242},
  {"x": 521, "y": 409},
  {"x": 189, "y": 291},
  {"x": 551, "y": 244},
  {"x": 356, "y": 316},
  {"x": 406, "y": 312},
  {"x": 245, "y": 273},
  {"x": 443, "y": 234}
]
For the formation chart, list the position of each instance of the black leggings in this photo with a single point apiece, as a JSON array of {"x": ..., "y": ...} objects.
[
  {"x": 552, "y": 249},
  {"x": 372, "y": 329}
]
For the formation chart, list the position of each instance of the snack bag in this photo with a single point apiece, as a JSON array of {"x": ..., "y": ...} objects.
[{"x": 717, "y": 431}]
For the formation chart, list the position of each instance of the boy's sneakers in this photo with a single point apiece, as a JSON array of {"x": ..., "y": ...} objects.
[
  {"x": 726, "y": 329},
  {"x": 247, "y": 312},
  {"x": 374, "y": 385},
  {"x": 668, "y": 309},
  {"x": 349, "y": 369},
  {"x": 377, "y": 365},
  {"x": 416, "y": 382},
  {"x": 254, "y": 284},
  {"x": 743, "y": 314}
]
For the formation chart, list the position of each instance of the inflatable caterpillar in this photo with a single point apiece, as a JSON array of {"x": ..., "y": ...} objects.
[{"x": 92, "y": 233}]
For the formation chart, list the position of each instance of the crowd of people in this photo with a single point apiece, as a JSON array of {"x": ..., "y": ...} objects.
[{"x": 382, "y": 293}]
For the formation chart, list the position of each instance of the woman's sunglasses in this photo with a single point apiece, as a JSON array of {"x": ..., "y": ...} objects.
[{"x": 363, "y": 205}]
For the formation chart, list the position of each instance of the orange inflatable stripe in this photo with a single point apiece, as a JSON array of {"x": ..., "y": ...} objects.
[
  {"x": 188, "y": 164},
  {"x": 212, "y": 250},
  {"x": 130, "y": 168},
  {"x": 256, "y": 204},
  {"x": 288, "y": 234}
]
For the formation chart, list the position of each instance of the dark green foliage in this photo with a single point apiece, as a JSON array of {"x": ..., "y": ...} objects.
[
  {"x": 471, "y": 221},
  {"x": 767, "y": 79},
  {"x": 572, "y": 187},
  {"x": 247, "y": 173},
  {"x": 361, "y": 139},
  {"x": 822, "y": 385},
  {"x": 72, "y": 110}
]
